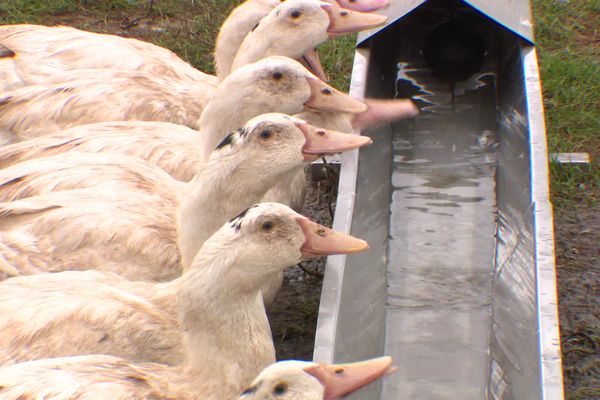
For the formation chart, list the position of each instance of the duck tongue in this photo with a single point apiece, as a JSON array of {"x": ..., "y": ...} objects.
[
  {"x": 342, "y": 379},
  {"x": 321, "y": 241},
  {"x": 321, "y": 141},
  {"x": 312, "y": 62}
]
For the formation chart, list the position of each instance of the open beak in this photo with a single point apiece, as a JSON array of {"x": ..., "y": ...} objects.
[
  {"x": 321, "y": 241},
  {"x": 342, "y": 379},
  {"x": 343, "y": 21},
  {"x": 312, "y": 62},
  {"x": 321, "y": 141},
  {"x": 364, "y": 5},
  {"x": 325, "y": 97}
]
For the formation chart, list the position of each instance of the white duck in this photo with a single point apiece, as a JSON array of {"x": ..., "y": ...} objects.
[
  {"x": 301, "y": 22},
  {"x": 305, "y": 380},
  {"x": 227, "y": 339},
  {"x": 41, "y": 55},
  {"x": 92, "y": 312},
  {"x": 276, "y": 84},
  {"x": 136, "y": 220},
  {"x": 273, "y": 84},
  {"x": 40, "y": 52},
  {"x": 247, "y": 16}
]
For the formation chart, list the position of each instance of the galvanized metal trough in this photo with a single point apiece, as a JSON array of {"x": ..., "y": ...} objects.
[{"x": 459, "y": 284}]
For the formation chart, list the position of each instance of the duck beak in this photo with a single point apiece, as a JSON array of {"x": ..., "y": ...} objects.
[
  {"x": 321, "y": 241},
  {"x": 364, "y": 5},
  {"x": 325, "y": 97},
  {"x": 344, "y": 21},
  {"x": 321, "y": 141},
  {"x": 312, "y": 62},
  {"x": 342, "y": 379}
]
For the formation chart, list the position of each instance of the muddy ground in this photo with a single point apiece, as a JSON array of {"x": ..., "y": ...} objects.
[{"x": 577, "y": 235}]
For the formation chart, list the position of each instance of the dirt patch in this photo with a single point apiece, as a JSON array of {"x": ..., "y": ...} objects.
[{"x": 578, "y": 267}]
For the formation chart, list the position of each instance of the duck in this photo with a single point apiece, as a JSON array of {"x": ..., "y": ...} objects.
[
  {"x": 276, "y": 83},
  {"x": 225, "y": 331},
  {"x": 38, "y": 53},
  {"x": 272, "y": 84},
  {"x": 295, "y": 27},
  {"x": 307, "y": 380},
  {"x": 248, "y": 15},
  {"x": 43, "y": 55},
  {"x": 133, "y": 219}
]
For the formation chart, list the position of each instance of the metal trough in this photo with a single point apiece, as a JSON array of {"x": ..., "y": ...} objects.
[{"x": 459, "y": 284}]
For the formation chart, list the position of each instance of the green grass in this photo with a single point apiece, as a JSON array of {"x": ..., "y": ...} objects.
[{"x": 569, "y": 45}]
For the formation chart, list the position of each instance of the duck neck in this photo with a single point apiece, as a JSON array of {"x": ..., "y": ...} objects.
[
  {"x": 224, "y": 321},
  {"x": 223, "y": 114},
  {"x": 235, "y": 28},
  {"x": 222, "y": 190}
]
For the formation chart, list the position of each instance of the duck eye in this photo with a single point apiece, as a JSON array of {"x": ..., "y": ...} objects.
[
  {"x": 327, "y": 92},
  {"x": 265, "y": 134},
  {"x": 267, "y": 226},
  {"x": 277, "y": 75},
  {"x": 295, "y": 14},
  {"x": 280, "y": 388},
  {"x": 339, "y": 370}
]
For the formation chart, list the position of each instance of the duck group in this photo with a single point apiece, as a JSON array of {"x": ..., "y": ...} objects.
[{"x": 149, "y": 209}]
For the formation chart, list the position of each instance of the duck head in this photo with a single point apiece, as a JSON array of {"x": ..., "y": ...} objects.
[
  {"x": 267, "y": 238},
  {"x": 295, "y": 27},
  {"x": 301, "y": 380},
  {"x": 280, "y": 84},
  {"x": 274, "y": 143}
]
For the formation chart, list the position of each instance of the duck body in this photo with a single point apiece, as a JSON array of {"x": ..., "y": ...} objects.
[
  {"x": 41, "y": 109},
  {"x": 172, "y": 147},
  {"x": 88, "y": 312},
  {"x": 78, "y": 377},
  {"x": 42, "y": 53},
  {"x": 90, "y": 229}
]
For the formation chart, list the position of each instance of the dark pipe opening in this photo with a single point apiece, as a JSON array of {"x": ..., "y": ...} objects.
[{"x": 453, "y": 51}]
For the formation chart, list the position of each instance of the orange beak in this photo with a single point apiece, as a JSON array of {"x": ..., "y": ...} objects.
[
  {"x": 364, "y": 5},
  {"x": 321, "y": 241},
  {"x": 325, "y": 97},
  {"x": 344, "y": 21},
  {"x": 324, "y": 141},
  {"x": 342, "y": 379}
]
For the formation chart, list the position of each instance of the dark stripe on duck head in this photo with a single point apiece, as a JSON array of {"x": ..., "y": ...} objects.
[
  {"x": 236, "y": 222},
  {"x": 5, "y": 52},
  {"x": 227, "y": 141},
  {"x": 241, "y": 132},
  {"x": 240, "y": 215}
]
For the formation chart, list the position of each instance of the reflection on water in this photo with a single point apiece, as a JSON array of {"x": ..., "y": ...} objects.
[{"x": 441, "y": 245}]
